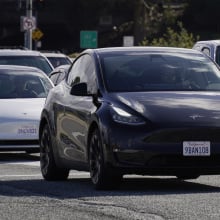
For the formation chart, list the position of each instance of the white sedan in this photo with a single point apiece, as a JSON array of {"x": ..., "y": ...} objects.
[{"x": 23, "y": 91}]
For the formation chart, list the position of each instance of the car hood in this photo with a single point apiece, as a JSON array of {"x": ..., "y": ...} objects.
[
  {"x": 19, "y": 118},
  {"x": 21, "y": 108},
  {"x": 175, "y": 107}
]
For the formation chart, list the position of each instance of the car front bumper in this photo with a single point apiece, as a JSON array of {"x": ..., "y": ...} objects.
[{"x": 160, "y": 152}]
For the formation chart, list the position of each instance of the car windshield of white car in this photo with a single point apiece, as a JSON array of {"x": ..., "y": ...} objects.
[
  {"x": 23, "y": 86},
  {"x": 160, "y": 72}
]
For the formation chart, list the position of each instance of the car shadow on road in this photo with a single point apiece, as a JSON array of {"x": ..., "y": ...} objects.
[
  {"x": 78, "y": 186},
  {"x": 82, "y": 187},
  {"x": 18, "y": 156}
]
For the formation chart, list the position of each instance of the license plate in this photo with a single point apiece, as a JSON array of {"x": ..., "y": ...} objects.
[
  {"x": 27, "y": 130},
  {"x": 196, "y": 148}
]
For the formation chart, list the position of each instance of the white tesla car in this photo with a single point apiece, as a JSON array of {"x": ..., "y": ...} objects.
[{"x": 23, "y": 91}]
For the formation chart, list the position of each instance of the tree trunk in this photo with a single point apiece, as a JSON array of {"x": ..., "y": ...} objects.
[{"x": 140, "y": 22}]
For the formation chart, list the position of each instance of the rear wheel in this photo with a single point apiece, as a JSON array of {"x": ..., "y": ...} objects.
[
  {"x": 102, "y": 175},
  {"x": 49, "y": 169}
]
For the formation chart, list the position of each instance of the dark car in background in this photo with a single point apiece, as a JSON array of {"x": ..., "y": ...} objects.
[
  {"x": 210, "y": 48},
  {"x": 25, "y": 58},
  {"x": 137, "y": 110}
]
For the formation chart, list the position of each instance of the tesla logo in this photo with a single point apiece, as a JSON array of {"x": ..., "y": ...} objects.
[{"x": 194, "y": 117}]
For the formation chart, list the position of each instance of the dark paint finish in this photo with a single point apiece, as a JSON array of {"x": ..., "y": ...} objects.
[{"x": 151, "y": 140}]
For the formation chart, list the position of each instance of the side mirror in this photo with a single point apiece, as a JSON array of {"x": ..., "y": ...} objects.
[{"x": 79, "y": 89}]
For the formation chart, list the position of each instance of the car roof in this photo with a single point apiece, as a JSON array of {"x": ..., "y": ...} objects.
[
  {"x": 213, "y": 42},
  {"x": 142, "y": 49},
  {"x": 18, "y": 67},
  {"x": 19, "y": 52},
  {"x": 51, "y": 54}
]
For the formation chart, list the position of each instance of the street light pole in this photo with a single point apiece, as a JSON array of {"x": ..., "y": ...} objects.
[{"x": 28, "y": 33}]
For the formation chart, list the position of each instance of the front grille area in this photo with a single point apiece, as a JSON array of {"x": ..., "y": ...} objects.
[
  {"x": 162, "y": 161},
  {"x": 170, "y": 165},
  {"x": 184, "y": 134}
]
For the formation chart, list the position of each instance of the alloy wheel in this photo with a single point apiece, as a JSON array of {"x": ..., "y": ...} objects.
[{"x": 95, "y": 158}]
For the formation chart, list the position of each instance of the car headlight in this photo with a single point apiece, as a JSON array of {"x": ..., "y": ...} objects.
[{"x": 121, "y": 116}]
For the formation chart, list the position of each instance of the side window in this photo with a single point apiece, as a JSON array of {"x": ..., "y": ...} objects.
[
  {"x": 90, "y": 75},
  {"x": 60, "y": 77},
  {"x": 83, "y": 70},
  {"x": 54, "y": 77},
  {"x": 206, "y": 50},
  {"x": 75, "y": 72},
  {"x": 217, "y": 56}
]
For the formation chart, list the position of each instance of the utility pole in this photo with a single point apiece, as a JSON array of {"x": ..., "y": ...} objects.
[{"x": 28, "y": 32}]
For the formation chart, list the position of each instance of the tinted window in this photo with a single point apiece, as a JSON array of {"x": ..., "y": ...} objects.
[
  {"x": 217, "y": 58},
  {"x": 57, "y": 77},
  {"x": 83, "y": 70},
  {"x": 159, "y": 72},
  {"x": 34, "y": 61},
  {"x": 14, "y": 85},
  {"x": 54, "y": 77},
  {"x": 75, "y": 72}
]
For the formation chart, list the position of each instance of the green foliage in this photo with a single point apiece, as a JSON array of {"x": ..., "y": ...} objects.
[
  {"x": 172, "y": 38},
  {"x": 74, "y": 55}
]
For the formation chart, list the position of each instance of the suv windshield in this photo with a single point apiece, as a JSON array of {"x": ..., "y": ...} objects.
[
  {"x": 160, "y": 72},
  {"x": 34, "y": 61}
]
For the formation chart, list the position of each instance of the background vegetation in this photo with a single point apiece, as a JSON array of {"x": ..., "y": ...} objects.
[{"x": 150, "y": 22}]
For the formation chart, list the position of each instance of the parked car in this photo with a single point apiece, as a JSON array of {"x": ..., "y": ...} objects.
[
  {"x": 23, "y": 91},
  {"x": 210, "y": 48},
  {"x": 59, "y": 73},
  {"x": 137, "y": 110},
  {"x": 57, "y": 59},
  {"x": 25, "y": 58}
]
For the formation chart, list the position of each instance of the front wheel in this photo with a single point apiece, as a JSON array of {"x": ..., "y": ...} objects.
[
  {"x": 102, "y": 175},
  {"x": 49, "y": 169}
]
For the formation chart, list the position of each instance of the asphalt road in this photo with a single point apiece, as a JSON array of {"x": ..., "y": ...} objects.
[{"x": 25, "y": 195}]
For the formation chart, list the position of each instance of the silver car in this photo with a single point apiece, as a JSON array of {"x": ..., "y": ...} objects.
[
  {"x": 23, "y": 91},
  {"x": 25, "y": 58},
  {"x": 210, "y": 48},
  {"x": 57, "y": 59},
  {"x": 59, "y": 73}
]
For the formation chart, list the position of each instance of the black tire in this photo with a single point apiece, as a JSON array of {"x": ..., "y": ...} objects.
[
  {"x": 187, "y": 177},
  {"x": 49, "y": 169},
  {"x": 102, "y": 176}
]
